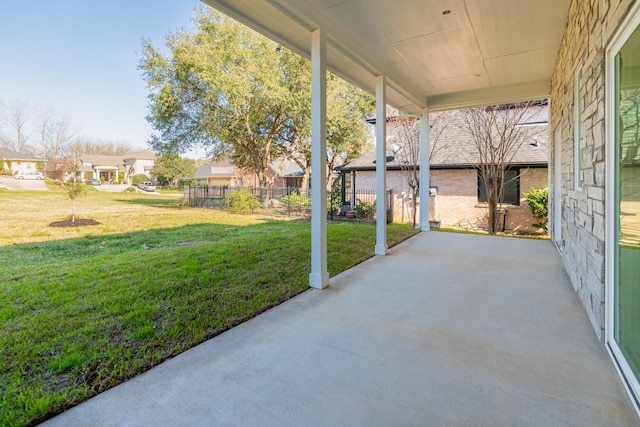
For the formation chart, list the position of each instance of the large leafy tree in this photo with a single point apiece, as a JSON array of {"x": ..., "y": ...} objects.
[
  {"x": 347, "y": 133},
  {"x": 169, "y": 168},
  {"x": 224, "y": 87}
]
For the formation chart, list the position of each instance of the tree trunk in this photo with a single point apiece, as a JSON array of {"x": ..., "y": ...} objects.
[
  {"x": 415, "y": 190},
  {"x": 305, "y": 180},
  {"x": 330, "y": 179},
  {"x": 492, "y": 226}
]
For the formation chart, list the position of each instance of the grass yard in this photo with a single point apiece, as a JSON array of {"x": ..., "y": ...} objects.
[{"x": 83, "y": 309}]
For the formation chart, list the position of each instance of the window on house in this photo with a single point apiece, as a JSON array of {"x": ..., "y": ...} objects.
[{"x": 511, "y": 187}]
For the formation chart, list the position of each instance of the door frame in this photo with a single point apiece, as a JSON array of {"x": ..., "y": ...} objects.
[{"x": 624, "y": 32}]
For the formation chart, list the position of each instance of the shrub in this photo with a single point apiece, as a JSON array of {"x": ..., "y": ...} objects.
[
  {"x": 365, "y": 210},
  {"x": 297, "y": 202},
  {"x": 539, "y": 204},
  {"x": 137, "y": 179},
  {"x": 334, "y": 200},
  {"x": 129, "y": 190},
  {"x": 242, "y": 201}
]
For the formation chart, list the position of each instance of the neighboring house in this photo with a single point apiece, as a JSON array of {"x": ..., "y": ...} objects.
[
  {"x": 292, "y": 174},
  {"x": 139, "y": 163},
  {"x": 116, "y": 169},
  {"x": 222, "y": 172},
  {"x": 15, "y": 162},
  {"x": 105, "y": 168},
  {"x": 219, "y": 172},
  {"x": 457, "y": 197}
]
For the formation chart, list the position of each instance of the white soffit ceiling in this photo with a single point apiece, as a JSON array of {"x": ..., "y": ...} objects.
[{"x": 482, "y": 52}]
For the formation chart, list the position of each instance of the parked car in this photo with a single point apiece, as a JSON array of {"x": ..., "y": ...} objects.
[
  {"x": 147, "y": 186},
  {"x": 94, "y": 181},
  {"x": 29, "y": 175}
]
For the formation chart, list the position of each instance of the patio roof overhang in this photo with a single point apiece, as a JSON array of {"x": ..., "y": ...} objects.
[{"x": 440, "y": 54}]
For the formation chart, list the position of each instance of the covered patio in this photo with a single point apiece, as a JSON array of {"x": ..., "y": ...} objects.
[
  {"x": 447, "y": 329},
  {"x": 426, "y": 56}
]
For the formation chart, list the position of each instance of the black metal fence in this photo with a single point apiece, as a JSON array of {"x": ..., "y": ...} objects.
[{"x": 357, "y": 205}]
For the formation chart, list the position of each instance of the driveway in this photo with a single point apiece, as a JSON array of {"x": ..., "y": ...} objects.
[
  {"x": 13, "y": 184},
  {"x": 446, "y": 330},
  {"x": 112, "y": 188},
  {"x": 119, "y": 188}
]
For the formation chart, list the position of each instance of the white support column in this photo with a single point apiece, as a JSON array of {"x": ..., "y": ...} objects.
[
  {"x": 424, "y": 170},
  {"x": 319, "y": 277},
  {"x": 381, "y": 166}
]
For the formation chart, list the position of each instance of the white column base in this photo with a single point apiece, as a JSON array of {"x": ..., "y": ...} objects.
[
  {"x": 319, "y": 281},
  {"x": 381, "y": 249}
]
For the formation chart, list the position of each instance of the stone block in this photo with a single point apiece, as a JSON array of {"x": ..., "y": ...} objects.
[
  {"x": 598, "y": 226},
  {"x": 599, "y": 175},
  {"x": 596, "y": 193},
  {"x": 597, "y": 206},
  {"x": 587, "y": 177},
  {"x": 597, "y": 133}
]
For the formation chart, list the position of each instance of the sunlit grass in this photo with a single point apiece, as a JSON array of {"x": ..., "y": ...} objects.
[
  {"x": 86, "y": 308},
  {"x": 26, "y": 215}
]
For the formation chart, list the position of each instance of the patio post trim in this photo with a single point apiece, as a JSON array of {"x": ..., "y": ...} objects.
[
  {"x": 319, "y": 277},
  {"x": 381, "y": 165},
  {"x": 424, "y": 170}
]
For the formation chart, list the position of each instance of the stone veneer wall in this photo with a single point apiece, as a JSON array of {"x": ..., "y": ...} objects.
[{"x": 591, "y": 25}]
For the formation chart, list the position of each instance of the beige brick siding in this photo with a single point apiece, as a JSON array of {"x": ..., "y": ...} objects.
[
  {"x": 456, "y": 203},
  {"x": 591, "y": 25}
]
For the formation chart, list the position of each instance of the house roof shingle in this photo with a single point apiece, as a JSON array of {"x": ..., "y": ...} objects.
[
  {"x": 140, "y": 155},
  {"x": 218, "y": 168},
  {"x": 8, "y": 154},
  {"x": 112, "y": 161},
  {"x": 456, "y": 149}
]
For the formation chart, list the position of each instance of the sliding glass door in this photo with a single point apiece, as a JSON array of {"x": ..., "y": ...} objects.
[{"x": 626, "y": 228}]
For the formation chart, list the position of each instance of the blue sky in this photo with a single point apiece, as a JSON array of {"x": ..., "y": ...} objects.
[{"x": 80, "y": 57}]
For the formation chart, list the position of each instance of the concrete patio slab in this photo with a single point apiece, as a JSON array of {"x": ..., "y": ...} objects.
[{"x": 447, "y": 330}]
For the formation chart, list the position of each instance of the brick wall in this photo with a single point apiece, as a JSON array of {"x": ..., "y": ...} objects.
[
  {"x": 245, "y": 178},
  {"x": 456, "y": 203},
  {"x": 591, "y": 25}
]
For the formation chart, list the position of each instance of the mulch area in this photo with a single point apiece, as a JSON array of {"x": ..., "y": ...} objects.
[{"x": 79, "y": 222}]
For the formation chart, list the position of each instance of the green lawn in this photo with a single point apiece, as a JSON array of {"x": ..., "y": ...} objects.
[{"x": 84, "y": 309}]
